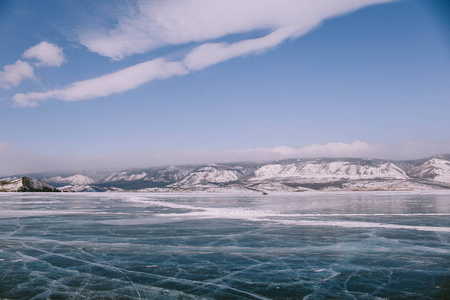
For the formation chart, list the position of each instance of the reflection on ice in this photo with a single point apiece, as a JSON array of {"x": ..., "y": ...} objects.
[{"x": 144, "y": 246}]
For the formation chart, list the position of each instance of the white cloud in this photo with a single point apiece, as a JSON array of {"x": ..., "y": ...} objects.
[
  {"x": 120, "y": 81},
  {"x": 409, "y": 150},
  {"x": 13, "y": 74},
  {"x": 357, "y": 149},
  {"x": 156, "y": 24},
  {"x": 46, "y": 54},
  {"x": 171, "y": 22},
  {"x": 212, "y": 53},
  {"x": 336, "y": 149}
]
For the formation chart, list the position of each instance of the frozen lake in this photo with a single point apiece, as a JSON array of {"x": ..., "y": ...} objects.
[{"x": 186, "y": 246}]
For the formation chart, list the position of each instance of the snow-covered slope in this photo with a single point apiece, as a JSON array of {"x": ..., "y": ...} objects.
[
  {"x": 320, "y": 171},
  {"x": 145, "y": 178},
  {"x": 125, "y": 176},
  {"x": 72, "y": 180},
  {"x": 11, "y": 186},
  {"x": 26, "y": 184},
  {"x": 436, "y": 169},
  {"x": 212, "y": 174},
  {"x": 168, "y": 174},
  {"x": 86, "y": 188}
]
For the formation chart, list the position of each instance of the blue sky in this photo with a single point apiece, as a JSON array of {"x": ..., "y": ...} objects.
[{"x": 140, "y": 83}]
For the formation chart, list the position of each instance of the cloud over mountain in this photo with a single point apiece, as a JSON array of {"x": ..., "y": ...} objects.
[{"x": 14, "y": 160}]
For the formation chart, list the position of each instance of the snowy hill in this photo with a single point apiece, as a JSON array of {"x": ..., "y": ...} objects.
[
  {"x": 125, "y": 176},
  {"x": 145, "y": 178},
  {"x": 26, "y": 184},
  {"x": 72, "y": 180},
  {"x": 437, "y": 169},
  {"x": 169, "y": 175},
  {"x": 211, "y": 173},
  {"x": 321, "y": 170}
]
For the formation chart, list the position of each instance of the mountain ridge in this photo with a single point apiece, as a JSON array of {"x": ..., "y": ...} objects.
[{"x": 296, "y": 174}]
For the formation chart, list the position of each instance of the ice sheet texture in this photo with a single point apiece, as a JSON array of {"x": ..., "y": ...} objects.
[{"x": 190, "y": 246}]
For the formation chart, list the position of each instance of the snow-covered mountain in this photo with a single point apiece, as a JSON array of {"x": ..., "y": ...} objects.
[
  {"x": 437, "y": 169},
  {"x": 169, "y": 175},
  {"x": 125, "y": 176},
  {"x": 77, "y": 179},
  {"x": 26, "y": 184},
  {"x": 323, "y": 174},
  {"x": 87, "y": 188},
  {"x": 145, "y": 178},
  {"x": 285, "y": 175},
  {"x": 211, "y": 174},
  {"x": 322, "y": 170}
]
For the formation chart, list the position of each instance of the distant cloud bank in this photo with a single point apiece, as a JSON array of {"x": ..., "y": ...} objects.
[{"x": 14, "y": 160}]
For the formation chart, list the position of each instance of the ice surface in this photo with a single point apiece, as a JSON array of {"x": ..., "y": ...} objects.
[{"x": 188, "y": 246}]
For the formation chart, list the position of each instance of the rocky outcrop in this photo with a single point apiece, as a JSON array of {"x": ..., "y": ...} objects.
[{"x": 26, "y": 184}]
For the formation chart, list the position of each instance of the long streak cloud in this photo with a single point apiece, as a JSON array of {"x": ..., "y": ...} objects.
[{"x": 106, "y": 85}]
